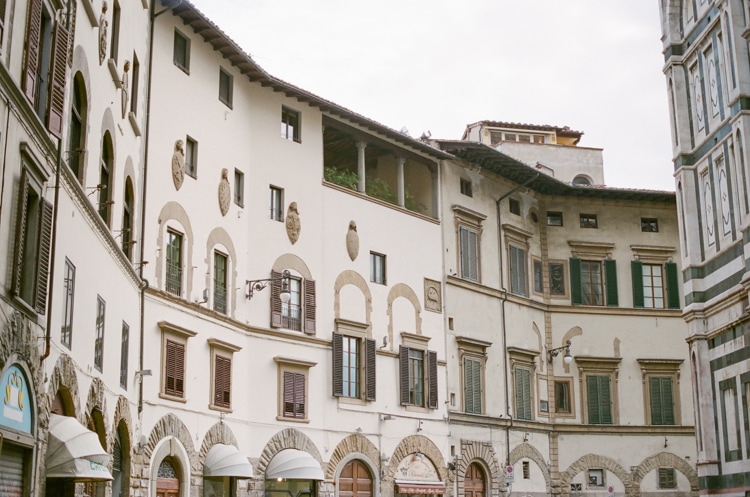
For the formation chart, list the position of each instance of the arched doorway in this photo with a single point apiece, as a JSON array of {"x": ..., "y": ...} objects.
[
  {"x": 355, "y": 480},
  {"x": 474, "y": 481},
  {"x": 167, "y": 479}
]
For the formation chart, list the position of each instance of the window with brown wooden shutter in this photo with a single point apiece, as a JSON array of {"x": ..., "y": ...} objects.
[
  {"x": 309, "y": 311},
  {"x": 294, "y": 395},
  {"x": 337, "y": 374},
  {"x": 432, "y": 396},
  {"x": 58, "y": 79},
  {"x": 222, "y": 381},
  {"x": 370, "y": 376},
  {"x": 276, "y": 299},
  {"x": 174, "y": 366},
  {"x": 403, "y": 368},
  {"x": 33, "y": 38}
]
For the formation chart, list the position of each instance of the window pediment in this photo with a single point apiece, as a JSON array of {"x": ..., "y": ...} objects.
[
  {"x": 652, "y": 253},
  {"x": 468, "y": 215},
  {"x": 414, "y": 340},
  {"x": 292, "y": 361},
  {"x": 220, "y": 344},
  {"x": 517, "y": 234},
  {"x": 591, "y": 250},
  {"x": 166, "y": 326}
]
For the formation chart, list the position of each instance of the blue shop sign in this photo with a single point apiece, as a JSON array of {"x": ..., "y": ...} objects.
[{"x": 15, "y": 409}]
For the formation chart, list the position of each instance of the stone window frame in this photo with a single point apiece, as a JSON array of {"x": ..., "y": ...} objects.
[
  {"x": 670, "y": 475},
  {"x": 602, "y": 484},
  {"x": 599, "y": 366},
  {"x": 471, "y": 220},
  {"x": 292, "y": 365},
  {"x": 657, "y": 255},
  {"x": 571, "y": 396},
  {"x": 566, "y": 287},
  {"x": 527, "y": 359},
  {"x": 600, "y": 252},
  {"x": 220, "y": 348},
  {"x": 175, "y": 333},
  {"x": 363, "y": 334},
  {"x": 226, "y": 87},
  {"x": 472, "y": 348},
  {"x": 414, "y": 341},
  {"x": 661, "y": 368},
  {"x": 518, "y": 238}
]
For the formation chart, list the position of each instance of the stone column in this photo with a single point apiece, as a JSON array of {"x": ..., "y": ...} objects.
[
  {"x": 361, "y": 146},
  {"x": 400, "y": 179}
]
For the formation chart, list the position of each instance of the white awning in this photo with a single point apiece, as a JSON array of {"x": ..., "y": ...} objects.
[
  {"x": 74, "y": 451},
  {"x": 227, "y": 460},
  {"x": 293, "y": 464}
]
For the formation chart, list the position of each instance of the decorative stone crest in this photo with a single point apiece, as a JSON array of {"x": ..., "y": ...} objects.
[
  {"x": 225, "y": 195},
  {"x": 352, "y": 241},
  {"x": 293, "y": 225},
  {"x": 178, "y": 164},
  {"x": 124, "y": 89},
  {"x": 103, "y": 34},
  {"x": 433, "y": 299}
]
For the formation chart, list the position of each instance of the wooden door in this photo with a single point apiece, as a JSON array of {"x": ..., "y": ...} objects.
[
  {"x": 355, "y": 480},
  {"x": 474, "y": 481}
]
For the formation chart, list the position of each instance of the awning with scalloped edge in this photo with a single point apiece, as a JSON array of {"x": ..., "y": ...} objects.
[
  {"x": 227, "y": 460},
  {"x": 293, "y": 464},
  {"x": 73, "y": 451}
]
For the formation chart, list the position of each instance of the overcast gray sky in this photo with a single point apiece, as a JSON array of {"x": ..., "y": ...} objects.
[{"x": 438, "y": 65}]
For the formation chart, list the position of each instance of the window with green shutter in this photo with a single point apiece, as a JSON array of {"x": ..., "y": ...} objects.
[
  {"x": 599, "y": 399},
  {"x": 662, "y": 400},
  {"x": 593, "y": 282},
  {"x": 517, "y": 271},
  {"x": 473, "y": 385},
  {"x": 523, "y": 393}
]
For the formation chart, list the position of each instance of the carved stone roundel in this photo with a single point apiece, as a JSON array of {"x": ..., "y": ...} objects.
[{"x": 293, "y": 224}]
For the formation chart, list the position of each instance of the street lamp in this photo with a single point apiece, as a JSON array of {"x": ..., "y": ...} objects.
[
  {"x": 567, "y": 358},
  {"x": 258, "y": 285}
]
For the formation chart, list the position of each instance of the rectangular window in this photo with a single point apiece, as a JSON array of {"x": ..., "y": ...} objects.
[
  {"x": 294, "y": 395},
  {"x": 115, "y": 41},
  {"x": 653, "y": 286},
  {"x": 416, "y": 377},
  {"x": 526, "y": 470},
  {"x": 596, "y": 478},
  {"x": 135, "y": 78},
  {"x": 514, "y": 206},
  {"x": 598, "y": 399},
  {"x": 377, "y": 268},
  {"x": 649, "y": 225},
  {"x": 523, "y": 393},
  {"x": 220, "y": 282},
  {"x": 730, "y": 419},
  {"x": 32, "y": 245},
  {"x": 181, "y": 56},
  {"x": 517, "y": 271},
  {"x": 589, "y": 221},
  {"x": 99, "y": 340},
  {"x": 472, "y": 385},
  {"x": 222, "y": 381},
  {"x": 667, "y": 478},
  {"x": 417, "y": 371},
  {"x": 191, "y": 157},
  {"x": 469, "y": 252},
  {"x": 174, "y": 369},
  {"x": 174, "y": 263},
  {"x": 226, "y": 83},
  {"x": 592, "y": 283},
  {"x": 466, "y": 187},
  {"x": 124, "y": 349},
  {"x": 290, "y": 124},
  {"x": 353, "y": 367},
  {"x": 277, "y": 203},
  {"x": 554, "y": 219},
  {"x": 66, "y": 337},
  {"x": 562, "y": 397},
  {"x": 661, "y": 400},
  {"x": 291, "y": 312},
  {"x": 239, "y": 188}
]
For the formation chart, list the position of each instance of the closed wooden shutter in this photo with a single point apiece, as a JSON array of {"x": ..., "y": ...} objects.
[
  {"x": 11, "y": 470},
  {"x": 294, "y": 395},
  {"x": 175, "y": 369},
  {"x": 33, "y": 37},
  {"x": 309, "y": 307},
  {"x": 370, "y": 376},
  {"x": 473, "y": 385},
  {"x": 662, "y": 402},
  {"x": 222, "y": 381},
  {"x": 599, "y": 399},
  {"x": 45, "y": 242},
  {"x": 673, "y": 285},
  {"x": 276, "y": 299},
  {"x": 337, "y": 351},
  {"x": 432, "y": 379},
  {"x": 636, "y": 271},
  {"x": 2, "y": 20},
  {"x": 58, "y": 79},
  {"x": 576, "y": 295},
  {"x": 610, "y": 272},
  {"x": 403, "y": 374},
  {"x": 23, "y": 193},
  {"x": 523, "y": 393}
]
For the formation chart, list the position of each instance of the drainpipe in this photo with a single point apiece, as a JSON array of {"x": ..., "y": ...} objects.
[
  {"x": 502, "y": 309},
  {"x": 53, "y": 237}
]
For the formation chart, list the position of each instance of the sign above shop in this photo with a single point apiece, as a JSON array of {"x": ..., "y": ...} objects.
[{"x": 15, "y": 412}]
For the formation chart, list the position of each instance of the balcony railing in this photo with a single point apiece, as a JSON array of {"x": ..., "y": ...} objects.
[
  {"x": 291, "y": 317},
  {"x": 174, "y": 279},
  {"x": 220, "y": 299}
]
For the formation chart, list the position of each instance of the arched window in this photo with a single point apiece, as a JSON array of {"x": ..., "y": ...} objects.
[
  {"x": 77, "y": 136},
  {"x": 106, "y": 164},
  {"x": 121, "y": 462},
  {"x": 127, "y": 220},
  {"x": 581, "y": 180},
  {"x": 167, "y": 479}
]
